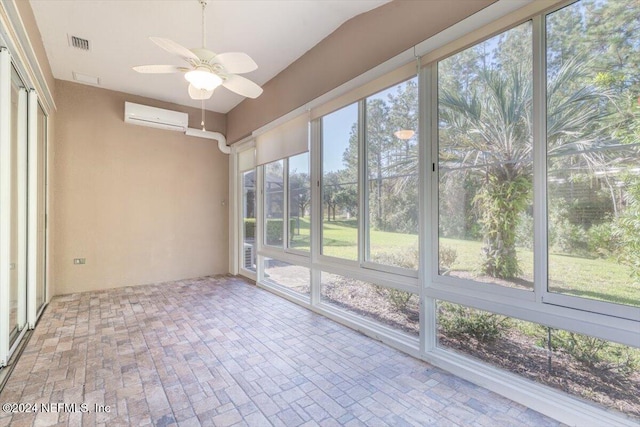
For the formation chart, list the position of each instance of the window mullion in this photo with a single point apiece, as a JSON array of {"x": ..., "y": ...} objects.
[
  {"x": 363, "y": 208},
  {"x": 428, "y": 200},
  {"x": 285, "y": 210},
  {"x": 540, "y": 258}
]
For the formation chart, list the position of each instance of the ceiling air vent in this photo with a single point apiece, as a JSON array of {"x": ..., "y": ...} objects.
[{"x": 78, "y": 42}]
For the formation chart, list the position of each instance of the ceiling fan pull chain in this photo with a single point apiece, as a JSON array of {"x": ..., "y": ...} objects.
[{"x": 202, "y": 123}]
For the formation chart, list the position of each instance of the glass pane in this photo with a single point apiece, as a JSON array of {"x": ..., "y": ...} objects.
[
  {"x": 393, "y": 308},
  {"x": 17, "y": 290},
  {"x": 299, "y": 202},
  {"x": 42, "y": 202},
  {"x": 294, "y": 277},
  {"x": 274, "y": 203},
  {"x": 593, "y": 155},
  {"x": 340, "y": 183},
  {"x": 249, "y": 220},
  {"x": 392, "y": 169},
  {"x": 485, "y": 161},
  {"x": 602, "y": 372}
]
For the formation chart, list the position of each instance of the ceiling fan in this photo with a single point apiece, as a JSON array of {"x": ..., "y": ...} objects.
[{"x": 207, "y": 70}]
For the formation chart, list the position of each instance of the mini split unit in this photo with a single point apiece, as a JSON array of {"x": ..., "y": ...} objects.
[{"x": 145, "y": 115}]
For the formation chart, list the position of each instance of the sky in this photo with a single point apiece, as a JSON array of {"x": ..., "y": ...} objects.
[{"x": 336, "y": 129}]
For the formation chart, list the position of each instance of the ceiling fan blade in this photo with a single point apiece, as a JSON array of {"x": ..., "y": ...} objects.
[
  {"x": 199, "y": 94},
  {"x": 242, "y": 86},
  {"x": 236, "y": 62},
  {"x": 159, "y": 69},
  {"x": 173, "y": 47}
]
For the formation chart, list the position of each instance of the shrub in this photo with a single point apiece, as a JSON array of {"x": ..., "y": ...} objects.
[
  {"x": 249, "y": 228},
  {"x": 596, "y": 353},
  {"x": 447, "y": 257},
  {"x": 462, "y": 321},
  {"x": 602, "y": 240},
  {"x": 524, "y": 231},
  {"x": 274, "y": 229},
  {"x": 399, "y": 299},
  {"x": 628, "y": 228},
  {"x": 405, "y": 258}
]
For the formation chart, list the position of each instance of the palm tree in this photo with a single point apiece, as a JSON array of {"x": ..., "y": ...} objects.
[{"x": 490, "y": 131}]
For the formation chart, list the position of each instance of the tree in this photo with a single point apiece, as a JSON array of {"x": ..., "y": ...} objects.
[
  {"x": 489, "y": 129},
  {"x": 300, "y": 193}
]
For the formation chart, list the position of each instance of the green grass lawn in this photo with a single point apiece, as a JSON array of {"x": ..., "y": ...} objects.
[{"x": 600, "y": 279}]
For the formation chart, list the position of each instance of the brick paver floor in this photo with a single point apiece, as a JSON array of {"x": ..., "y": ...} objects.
[{"x": 219, "y": 351}]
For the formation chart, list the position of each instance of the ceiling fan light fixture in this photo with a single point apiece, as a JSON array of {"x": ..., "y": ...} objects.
[{"x": 203, "y": 80}]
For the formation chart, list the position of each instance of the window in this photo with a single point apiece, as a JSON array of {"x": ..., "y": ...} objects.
[
  {"x": 393, "y": 308},
  {"x": 299, "y": 202},
  {"x": 391, "y": 142},
  {"x": 293, "y": 277},
  {"x": 485, "y": 161},
  {"x": 274, "y": 203},
  {"x": 535, "y": 216},
  {"x": 249, "y": 220},
  {"x": 580, "y": 365},
  {"x": 340, "y": 183},
  {"x": 18, "y": 207},
  {"x": 593, "y": 155}
]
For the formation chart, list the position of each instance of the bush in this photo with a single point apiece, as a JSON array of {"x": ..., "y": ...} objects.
[
  {"x": 405, "y": 258},
  {"x": 602, "y": 240},
  {"x": 447, "y": 257},
  {"x": 524, "y": 231},
  {"x": 274, "y": 230},
  {"x": 249, "y": 228},
  {"x": 596, "y": 353},
  {"x": 628, "y": 228},
  {"x": 462, "y": 321}
]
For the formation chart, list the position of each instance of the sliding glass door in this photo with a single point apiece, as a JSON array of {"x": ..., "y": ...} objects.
[
  {"x": 17, "y": 235},
  {"x": 23, "y": 139}
]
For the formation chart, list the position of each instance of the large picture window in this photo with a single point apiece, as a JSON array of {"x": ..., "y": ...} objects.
[
  {"x": 485, "y": 161},
  {"x": 249, "y": 220},
  {"x": 391, "y": 141},
  {"x": 340, "y": 183},
  {"x": 274, "y": 199},
  {"x": 593, "y": 155},
  {"x": 299, "y": 202},
  {"x": 525, "y": 180}
]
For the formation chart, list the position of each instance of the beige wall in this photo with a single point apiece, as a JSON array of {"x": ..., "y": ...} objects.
[
  {"x": 29, "y": 22},
  {"x": 357, "y": 46},
  {"x": 142, "y": 205}
]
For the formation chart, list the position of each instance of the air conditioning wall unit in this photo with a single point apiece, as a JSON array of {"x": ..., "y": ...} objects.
[{"x": 144, "y": 115}]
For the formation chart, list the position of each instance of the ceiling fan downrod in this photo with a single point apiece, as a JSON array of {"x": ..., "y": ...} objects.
[{"x": 204, "y": 4}]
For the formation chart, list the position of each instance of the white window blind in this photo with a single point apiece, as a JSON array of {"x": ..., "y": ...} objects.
[
  {"x": 247, "y": 159},
  {"x": 285, "y": 140}
]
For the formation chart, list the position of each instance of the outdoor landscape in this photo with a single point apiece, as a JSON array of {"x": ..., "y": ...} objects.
[{"x": 486, "y": 203}]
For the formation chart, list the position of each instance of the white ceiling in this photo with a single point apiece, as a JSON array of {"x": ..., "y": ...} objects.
[{"x": 273, "y": 32}]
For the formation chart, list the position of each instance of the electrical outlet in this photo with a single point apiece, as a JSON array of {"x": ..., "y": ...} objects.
[{"x": 78, "y": 261}]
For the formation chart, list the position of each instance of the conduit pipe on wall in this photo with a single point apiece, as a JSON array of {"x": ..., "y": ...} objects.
[{"x": 222, "y": 140}]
